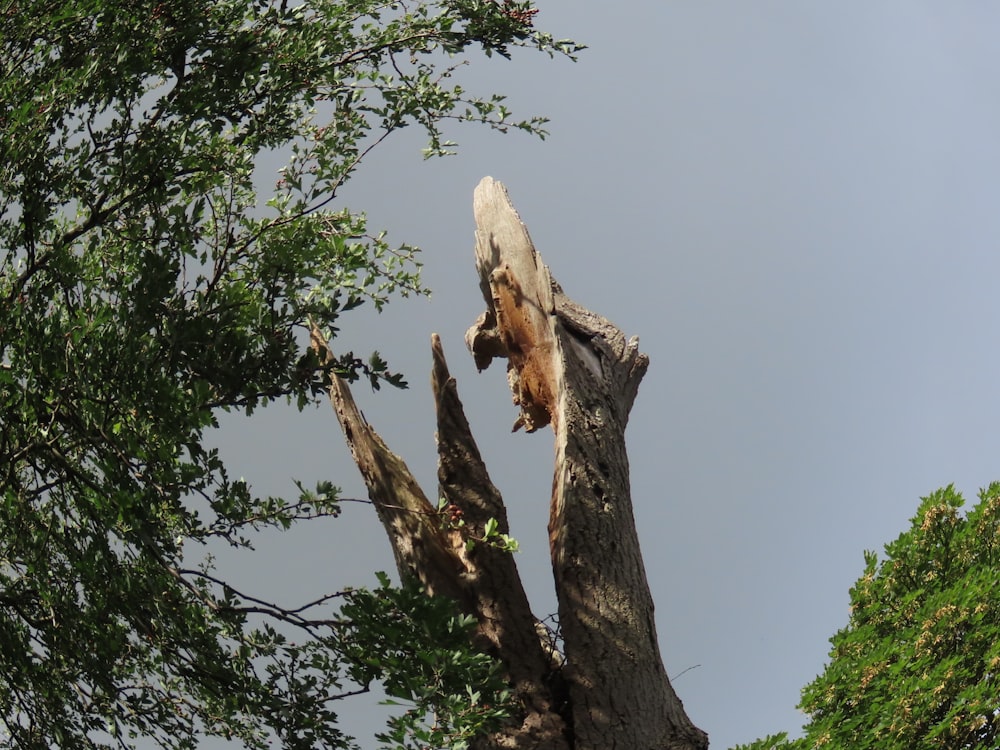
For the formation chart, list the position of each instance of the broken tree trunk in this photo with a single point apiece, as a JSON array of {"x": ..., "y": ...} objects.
[{"x": 573, "y": 369}]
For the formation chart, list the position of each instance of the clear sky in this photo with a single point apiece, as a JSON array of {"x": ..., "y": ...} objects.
[{"x": 794, "y": 205}]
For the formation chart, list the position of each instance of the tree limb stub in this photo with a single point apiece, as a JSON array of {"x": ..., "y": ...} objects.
[
  {"x": 421, "y": 548},
  {"x": 491, "y": 578},
  {"x": 483, "y": 580},
  {"x": 574, "y": 369}
]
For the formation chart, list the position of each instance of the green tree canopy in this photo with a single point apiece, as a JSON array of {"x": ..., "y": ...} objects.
[
  {"x": 152, "y": 276},
  {"x": 916, "y": 667}
]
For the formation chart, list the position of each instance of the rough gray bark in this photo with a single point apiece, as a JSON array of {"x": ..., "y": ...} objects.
[{"x": 573, "y": 369}]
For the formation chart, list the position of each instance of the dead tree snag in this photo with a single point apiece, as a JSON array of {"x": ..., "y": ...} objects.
[{"x": 573, "y": 369}]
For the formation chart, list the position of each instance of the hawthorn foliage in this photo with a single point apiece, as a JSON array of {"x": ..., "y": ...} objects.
[
  {"x": 150, "y": 277},
  {"x": 916, "y": 667}
]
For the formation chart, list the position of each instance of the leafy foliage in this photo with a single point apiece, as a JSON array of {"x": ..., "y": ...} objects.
[
  {"x": 148, "y": 281},
  {"x": 425, "y": 662},
  {"x": 916, "y": 667}
]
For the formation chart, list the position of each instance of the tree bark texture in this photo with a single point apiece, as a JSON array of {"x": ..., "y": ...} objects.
[{"x": 574, "y": 370}]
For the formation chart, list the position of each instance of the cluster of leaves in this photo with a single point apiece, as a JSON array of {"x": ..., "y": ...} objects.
[
  {"x": 145, "y": 285},
  {"x": 453, "y": 518},
  {"x": 452, "y": 694},
  {"x": 917, "y": 666}
]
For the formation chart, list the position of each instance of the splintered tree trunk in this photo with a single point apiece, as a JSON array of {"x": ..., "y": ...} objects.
[{"x": 573, "y": 370}]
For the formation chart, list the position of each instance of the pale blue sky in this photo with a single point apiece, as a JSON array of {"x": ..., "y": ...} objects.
[{"x": 794, "y": 206}]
